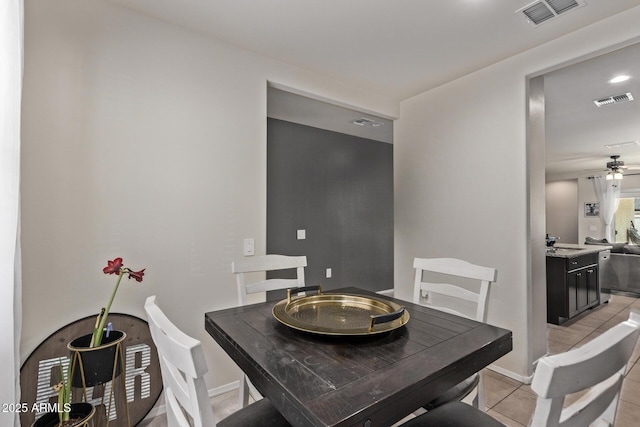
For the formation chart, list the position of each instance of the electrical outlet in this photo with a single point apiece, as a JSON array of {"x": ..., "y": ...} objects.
[
  {"x": 302, "y": 234},
  {"x": 328, "y": 273}
]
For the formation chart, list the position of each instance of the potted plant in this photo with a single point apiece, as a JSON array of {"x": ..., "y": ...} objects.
[
  {"x": 97, "y": 353},
  {"x": 68, "y": 414}
]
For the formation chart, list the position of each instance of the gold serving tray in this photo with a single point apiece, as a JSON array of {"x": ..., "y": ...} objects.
[{"x": 340, "y": 314}]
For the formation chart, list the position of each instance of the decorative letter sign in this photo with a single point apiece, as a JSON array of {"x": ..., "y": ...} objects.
[{"x": 143, "y": 381}]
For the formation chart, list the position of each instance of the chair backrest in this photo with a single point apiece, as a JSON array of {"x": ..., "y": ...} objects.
[
  {"x": 183, "y": 365},
  {"x": 426, "y": 293},
  {"x": 266, "y": 263},
  {"x": 599, "y": 365}
]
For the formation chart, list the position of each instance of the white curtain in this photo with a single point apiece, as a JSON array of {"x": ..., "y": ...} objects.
[
  {"x": 608, "y": 193},
  {"x": 11, "y": 67}
]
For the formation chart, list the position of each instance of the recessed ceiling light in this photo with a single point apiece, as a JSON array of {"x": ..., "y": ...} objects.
[{"x": 619, "y": 79}]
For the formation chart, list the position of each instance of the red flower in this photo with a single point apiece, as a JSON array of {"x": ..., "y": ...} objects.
[
  {"x": 113, "y": 267},
  {"x": 137, "y": 274}
]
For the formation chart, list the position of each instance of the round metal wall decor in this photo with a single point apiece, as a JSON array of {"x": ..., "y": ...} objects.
[{"x": 143, "y": 379}]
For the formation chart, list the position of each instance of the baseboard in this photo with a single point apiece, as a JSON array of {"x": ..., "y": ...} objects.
[
  {"x": 511, "y": 374},
  {"x": 161, "y": 409}
]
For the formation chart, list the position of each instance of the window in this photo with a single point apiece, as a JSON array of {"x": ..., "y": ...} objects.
[{"x": 627, "y": 220}]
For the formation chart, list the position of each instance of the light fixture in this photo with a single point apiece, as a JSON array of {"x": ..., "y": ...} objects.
[
  {"x": 615, "y": 167},
  {"x": 619, "y": 79},
  {"x": 614, "y": 175},
  {"x": 364, "y": 121}
]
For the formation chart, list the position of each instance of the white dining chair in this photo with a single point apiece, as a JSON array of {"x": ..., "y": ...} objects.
[
  {"x": 264, "y": 264},
  {"x": 465, "y": 299},
  {"x": 594, "y": 371},
  {"x": 183, "y": 365},
  {"x": 599, "y": 366}
]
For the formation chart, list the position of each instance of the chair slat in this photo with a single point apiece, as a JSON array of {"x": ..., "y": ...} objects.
[{"x": 267, "y": 263}]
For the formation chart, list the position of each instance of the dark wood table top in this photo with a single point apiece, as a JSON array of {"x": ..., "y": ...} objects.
[{"x": 318, "y": 380}]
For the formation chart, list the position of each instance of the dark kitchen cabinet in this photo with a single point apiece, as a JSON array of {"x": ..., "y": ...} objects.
[{"x": 572, "y": 286}]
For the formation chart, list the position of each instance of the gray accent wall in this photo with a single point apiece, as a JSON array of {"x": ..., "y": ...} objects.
[{"x": 339, "y": 189}]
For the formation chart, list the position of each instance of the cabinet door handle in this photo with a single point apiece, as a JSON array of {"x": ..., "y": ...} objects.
[
  {"x": 578, "y": 274},
  {"x": 589, "y": 271},
  {"x": 574, "y": 262}
]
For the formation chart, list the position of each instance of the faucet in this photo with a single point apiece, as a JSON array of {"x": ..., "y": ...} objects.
[{"x": 551, "y": 240}]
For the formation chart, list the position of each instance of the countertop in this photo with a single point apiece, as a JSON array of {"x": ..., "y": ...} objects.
[{"x": 571, "y": 250}]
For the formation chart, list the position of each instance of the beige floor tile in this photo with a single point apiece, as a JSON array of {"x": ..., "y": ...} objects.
[
  {"x": 518, "y": 406},
  {"x": 589, "y": 321},
  {"x": 636, "y": 353},
  {"x": 628, "y": 415},
  {"x": 622, "y": 299},
  {"x": 612, "y": 307},
  {"x": 632, "y": 372},
  {"x": 615, "y": 320},
  {"x": 602, "y": 314},
  {"x": 580, "y": 329},
  {"x": 503, "y": 378},
  {"x": 563, "y": 335},
  {"x": 496, "y": 390},
  {"x": 589, "y": 337},
  {"x": 557, "y": 347},
  {"x": 630, "y": 392},
  {"x": 571, "y": 398}
]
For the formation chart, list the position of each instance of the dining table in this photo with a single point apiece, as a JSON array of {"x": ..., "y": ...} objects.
[{"x": 317, "y": 379}]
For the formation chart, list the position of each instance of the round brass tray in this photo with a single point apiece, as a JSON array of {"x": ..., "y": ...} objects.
[{"x": 340, "y": 314}]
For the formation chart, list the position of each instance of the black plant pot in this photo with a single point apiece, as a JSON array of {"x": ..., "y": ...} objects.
[
  {"x": 83, "y": 411},
  {"x": 96, "y": 363}
]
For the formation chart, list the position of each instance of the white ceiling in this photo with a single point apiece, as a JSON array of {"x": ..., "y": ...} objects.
[
  {"x": 397, "y": 48},
  {"x": 576, "y": 130},
  {"x": 400, "y": 48},
  {"x": 310, "y": 112}
]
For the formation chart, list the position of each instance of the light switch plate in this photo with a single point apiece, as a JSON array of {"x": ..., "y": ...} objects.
[
  {"x": 249, "y": 247},
  {"x": 328, "y": 273},
  {"x": 302, "y": 234}
]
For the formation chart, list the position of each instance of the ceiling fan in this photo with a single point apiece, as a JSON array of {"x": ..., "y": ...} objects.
[{"x": 615, "y": 168}]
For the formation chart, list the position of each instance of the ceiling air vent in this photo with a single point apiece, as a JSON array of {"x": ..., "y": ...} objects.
[
  {"x": 615, "y": 99},
  {"x": 363, "y": 121},
  {"x": 543, "y": 10}
]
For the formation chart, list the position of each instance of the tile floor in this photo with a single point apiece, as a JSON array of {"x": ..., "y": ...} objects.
[{"x": 512, "y": 402}]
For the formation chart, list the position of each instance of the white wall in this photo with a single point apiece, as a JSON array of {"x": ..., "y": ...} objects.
[
  {"x": 461, "y": 149},
  {"x": 146, "y": 141},
  {"x": 561, "y": 208}
]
